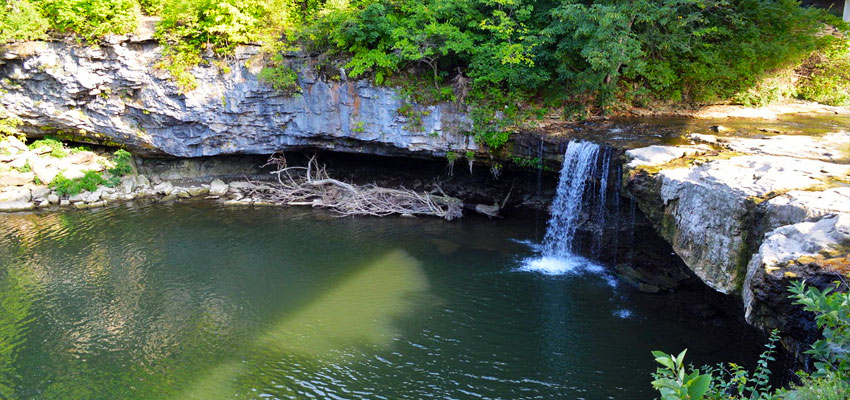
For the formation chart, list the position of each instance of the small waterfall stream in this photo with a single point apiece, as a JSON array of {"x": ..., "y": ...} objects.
[
  {"x": 579, "y": 161},
  {"x": 582, "y": 193}
]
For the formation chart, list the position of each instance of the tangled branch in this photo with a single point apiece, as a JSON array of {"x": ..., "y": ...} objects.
[{"x": 311, "y": 185}]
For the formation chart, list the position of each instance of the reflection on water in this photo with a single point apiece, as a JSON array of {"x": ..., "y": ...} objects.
[
  {"x": 356, "y": 312},
  {"x": 203, "y": 302}
]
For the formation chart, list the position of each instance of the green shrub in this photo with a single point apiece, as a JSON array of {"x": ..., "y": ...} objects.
[
  {"x": 828, "y": 80},
  {"x": 832, "y": 315},
  {"x": 122, "y": 163},
  {"x": 69, "y": 187},
  {"x": 21, "y": 20},
  {"x": 280, "y": 76},
  {"x": 57, "y": 149},
  {"x": 674, "y": 382},
  {"x": 9, "y": 124},
  {"x": 91, "y": 19},
  {"x": 830, "y": 380}
]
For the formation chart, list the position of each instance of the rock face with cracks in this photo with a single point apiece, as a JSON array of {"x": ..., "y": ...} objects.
[
  {"x": 114, "y": 93},
  {"x": 748, "y": 215}
]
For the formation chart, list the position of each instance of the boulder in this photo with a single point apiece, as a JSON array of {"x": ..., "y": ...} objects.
[
  {"x": 40, "y": 191},
  {"x": 12, "y": 145},
  {"x": 164, "y": 188},
  {"x": 14, "y": 178},
  {"x": 15, "y": 194},
  {"x": 142, "y": 182},
  {"x": 218, "y": 188},
  {"x": 10, "y": 206},
  {"x": 79, "y": 197},
  {"x": 45, "y": 170},
  {"x": 53, "y": 198},
  {"x": 195, "y": 191},
  {"x": 128, "y": 183}
]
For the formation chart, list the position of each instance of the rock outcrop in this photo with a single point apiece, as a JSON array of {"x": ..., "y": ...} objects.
[
  {"x": 113, "y": 93},
  {"x": 749, "y": 214}
]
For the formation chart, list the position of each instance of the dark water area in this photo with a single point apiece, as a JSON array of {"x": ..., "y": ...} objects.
[{"x": 199, "y": 301}]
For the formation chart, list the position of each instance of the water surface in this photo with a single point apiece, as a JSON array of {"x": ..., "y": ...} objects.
[{"x": 197, "y": 301}]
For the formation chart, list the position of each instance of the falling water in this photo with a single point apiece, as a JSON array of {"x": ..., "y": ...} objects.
[
  {"x": 632, "y": 216},
  {"x": 578, "y": 162},
  {"x": 615, "y": 223},
  {"x": 599, "y": 213}
]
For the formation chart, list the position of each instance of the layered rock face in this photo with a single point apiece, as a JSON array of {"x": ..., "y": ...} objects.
[
  {"x": 114, "y": 93},
  {"x": 747, "y": 215}
]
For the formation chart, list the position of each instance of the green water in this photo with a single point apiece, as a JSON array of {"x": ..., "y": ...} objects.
[{"x": 204, "y": 302}]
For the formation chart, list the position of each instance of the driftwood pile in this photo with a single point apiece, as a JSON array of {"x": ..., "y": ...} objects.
[{"x": 311, "y": 185}]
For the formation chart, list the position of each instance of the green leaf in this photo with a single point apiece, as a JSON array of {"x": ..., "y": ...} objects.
[{"x": 699, "y": 386}]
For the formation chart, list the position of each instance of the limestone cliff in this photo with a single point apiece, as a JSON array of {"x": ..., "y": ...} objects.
[
  {"x": 114, "y": 93},
  {"x": 749, "y": 214}
]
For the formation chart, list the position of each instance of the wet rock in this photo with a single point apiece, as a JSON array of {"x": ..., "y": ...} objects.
[
  {"x": 164, "y": 188},
  {"x": 79, "y": 197},
  {"x": 168, "y": 197},
  {"x": 703, "y": 138},
  {"x": 10, "y": 206},
  {"x": 64, "y": 203},
  {"x": 197, "y": 191},
  {"x": 94, "y": 196},
  {"x": 183, "y": 194},
  {"x": 218, "y": 188}
]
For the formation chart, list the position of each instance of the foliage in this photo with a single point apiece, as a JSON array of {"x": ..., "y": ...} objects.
[
  {"x": 280, "y": 76},
  {"x": 57, "y": 149},
  {"x": 91, "y": 19},
  {"x": 832, "y": 309},
  {"x": 830, "y": 380},
  {"x": 189, "y": 28},
  {"x": 9, "y": 124},
  {"x": 735, "y": 382},
  {"x": 121, "y": 160},
  {"x": 674, "y": 382},
  {"x": 69, "y": 187},
  {"x": 828, "y": 80},
  {"x": 499, "y": 56},
  {"x": 21, "y": 20}
]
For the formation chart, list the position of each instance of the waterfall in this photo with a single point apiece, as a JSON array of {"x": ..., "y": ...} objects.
[
  {"x": 599, "y": 213},
  {"x": 579, "y": 160},
  {"x": 575, "y": 197}
]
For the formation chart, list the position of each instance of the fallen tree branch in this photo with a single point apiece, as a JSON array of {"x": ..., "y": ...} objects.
[{"x": 311, "y": 185}]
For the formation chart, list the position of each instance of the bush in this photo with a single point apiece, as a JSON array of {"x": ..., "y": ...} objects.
[
  {"x": 57, "y": 149},
  {"x": 830, "y": 380},
  {"x": 9, "y": 124},
  {"x": 121, "y": 163},
  {"x": 69, "y": 187},
  {"x": 828, "y": 79},
  {"x": 21, "y": 20},
  {"x": 91, "y": 19},
  {"x": 280, "y": 76}
]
